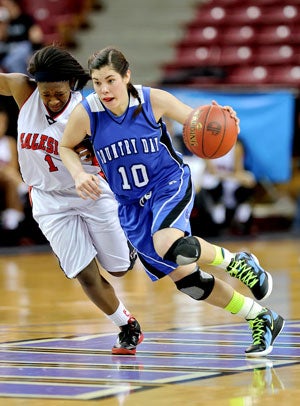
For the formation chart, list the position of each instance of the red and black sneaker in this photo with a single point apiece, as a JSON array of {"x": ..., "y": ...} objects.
[{"x": 129, "y": 337}]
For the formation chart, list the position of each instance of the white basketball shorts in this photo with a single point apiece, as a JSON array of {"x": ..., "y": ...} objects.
[{"x": 79, "y": 230}]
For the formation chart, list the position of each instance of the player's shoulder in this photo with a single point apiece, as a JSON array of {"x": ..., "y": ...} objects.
[
  {"x": 160, "y": 95},
  {"x": 92, "y": 102}
]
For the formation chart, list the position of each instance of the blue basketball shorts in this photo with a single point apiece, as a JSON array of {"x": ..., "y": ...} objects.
[{"x": 168, "y": 205}]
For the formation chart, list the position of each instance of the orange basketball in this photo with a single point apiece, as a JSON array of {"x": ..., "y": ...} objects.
[{"x": 210, "y": 132}]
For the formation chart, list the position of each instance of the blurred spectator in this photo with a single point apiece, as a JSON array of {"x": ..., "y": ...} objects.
[
  {"x": 12, "y": 188},
  {"x": 225, "y": 195},
  {"x": 21, "y": 37},
  {"x": 224, "y": 189},
  {"x": 195, "y": 163},
  {"x": 4, "y": 19}
]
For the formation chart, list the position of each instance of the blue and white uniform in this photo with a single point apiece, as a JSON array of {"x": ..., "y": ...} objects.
[
  {"x": 148, "y": 177},
  {"x": 78, "y": 230}
]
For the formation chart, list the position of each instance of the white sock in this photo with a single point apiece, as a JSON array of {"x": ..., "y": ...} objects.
[
  {"x": 250, "y": 309},
  {"x": 121, "y": 316},
  {"x": 228, "y": 256}
]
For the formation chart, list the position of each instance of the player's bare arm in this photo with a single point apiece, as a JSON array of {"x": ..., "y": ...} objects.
[
  {"x": 165, "y": 104},
  {"x": 87, "y": 185},
  {"x": 17, "y": 85}
]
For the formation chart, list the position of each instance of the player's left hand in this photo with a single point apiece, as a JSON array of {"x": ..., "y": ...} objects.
[{"x": 231, "y": 112}]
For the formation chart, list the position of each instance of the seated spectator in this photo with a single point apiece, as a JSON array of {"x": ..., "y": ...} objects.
[
  {"x": 12, "y": 187},
  {"x": 226, "y": 191},
  {"x": 22, "y": 37}
]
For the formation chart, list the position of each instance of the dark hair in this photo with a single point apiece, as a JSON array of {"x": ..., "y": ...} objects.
[
  {"x": 114, "y": 58},
  {"x": 57, "y": 64}
]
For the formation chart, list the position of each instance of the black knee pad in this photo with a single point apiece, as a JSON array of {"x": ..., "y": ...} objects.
[
  {"x": 197, "y": 285},
  {"x": 184, "y": 251}
]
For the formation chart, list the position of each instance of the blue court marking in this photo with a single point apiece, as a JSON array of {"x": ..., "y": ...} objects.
[
  {"x": 61, "y": 391},
  {"x": 224, "y": 344},
  {"x": 136, "y": 375},
  {"x": 84, "y": 368},
  {"x": 161, "y": 361}
]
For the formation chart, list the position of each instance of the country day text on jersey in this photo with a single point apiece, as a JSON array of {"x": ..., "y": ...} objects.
[{"x": 126, "y": 147}]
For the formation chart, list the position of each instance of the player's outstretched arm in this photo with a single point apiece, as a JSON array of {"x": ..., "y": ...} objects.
[{"x": 17, "y": 85}]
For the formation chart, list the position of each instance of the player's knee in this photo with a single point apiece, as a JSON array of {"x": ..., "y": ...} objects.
[
  {"x": 197, "y": 285},
  {"x": 184, "y": 251},
  {"x": 133, "y": 256},
  {"x": 89, "y": 274}
]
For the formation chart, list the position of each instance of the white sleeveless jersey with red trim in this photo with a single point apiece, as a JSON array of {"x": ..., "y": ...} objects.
[{"x": 39, "y": 135}]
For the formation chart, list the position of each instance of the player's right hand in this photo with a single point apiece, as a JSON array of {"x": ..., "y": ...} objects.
[{"x": 87, "y": 186}]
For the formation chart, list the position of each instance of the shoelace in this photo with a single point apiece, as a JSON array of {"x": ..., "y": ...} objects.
[
  {"x": 258, "y": 331},
  {"x": 244, "y": 272}
]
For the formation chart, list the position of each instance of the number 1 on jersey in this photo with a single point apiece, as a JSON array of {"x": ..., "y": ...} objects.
[{"x": 49, "y": 160}]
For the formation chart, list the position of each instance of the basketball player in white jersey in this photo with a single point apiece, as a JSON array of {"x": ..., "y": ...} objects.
[{"x": 78, "y": 231}]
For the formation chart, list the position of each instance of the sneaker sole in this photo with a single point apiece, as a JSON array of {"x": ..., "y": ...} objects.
[
  {"x": 270, "y": 287},
  {"x": 270, "y": 281},
  {"x": 269, "y": 349},
  {"x": 125, "y": 351}
]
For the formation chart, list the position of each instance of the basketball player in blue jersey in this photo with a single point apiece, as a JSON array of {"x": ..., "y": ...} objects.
[
  {"x": 78, "y": 233},
  {"x": 155, "y": 193}
]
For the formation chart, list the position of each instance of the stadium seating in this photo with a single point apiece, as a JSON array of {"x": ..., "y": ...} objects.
[
  {"x": 59, "y": 19},
  {"x": 288, "y": 75},
  {"x": 254, "y": 42},
  {"x": 249, "y": 75},
  {"x": 238, "y": 35},
  {"x": 278, "y": 34},
  {"x": 277, "y": 54},
  {"x": 237, "y": 55}
]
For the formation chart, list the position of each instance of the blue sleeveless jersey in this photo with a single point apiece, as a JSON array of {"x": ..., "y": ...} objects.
[
  {"x": 146, "y": 174},
  {"x": 134, "y": 152}
]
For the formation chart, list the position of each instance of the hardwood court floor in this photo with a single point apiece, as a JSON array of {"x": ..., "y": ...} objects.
[{"x": 55, "y": 345}]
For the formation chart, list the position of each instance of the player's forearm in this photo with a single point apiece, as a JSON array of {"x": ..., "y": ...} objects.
[{"x": 71, "y": 161}]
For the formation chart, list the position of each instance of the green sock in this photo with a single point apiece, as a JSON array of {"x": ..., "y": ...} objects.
[
  {"x": 223, "y": 257},
  {"x": 236, "y": 303},
  {"x": 219, "y": 258},
  {"x": 243, "y": 306}
]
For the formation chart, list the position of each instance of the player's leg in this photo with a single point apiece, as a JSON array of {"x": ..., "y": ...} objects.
[
  {"x": 265, "y": 323},
  {"x": 101, "y": 229},
  {"x": 177, "y": 243},
  {"x": 103, "y": 295},
  {"x": 241, "y": 265},
  {"x": 114, "y": 252},
  {"x": 69, "y": 237}
]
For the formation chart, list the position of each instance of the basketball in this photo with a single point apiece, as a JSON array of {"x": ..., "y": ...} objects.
[{"x": 210, "y": 132}]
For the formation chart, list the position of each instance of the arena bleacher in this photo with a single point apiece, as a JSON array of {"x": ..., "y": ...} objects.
[
  {"x": 249, "y": 43},
  {"x": 60, "y": 19}
]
